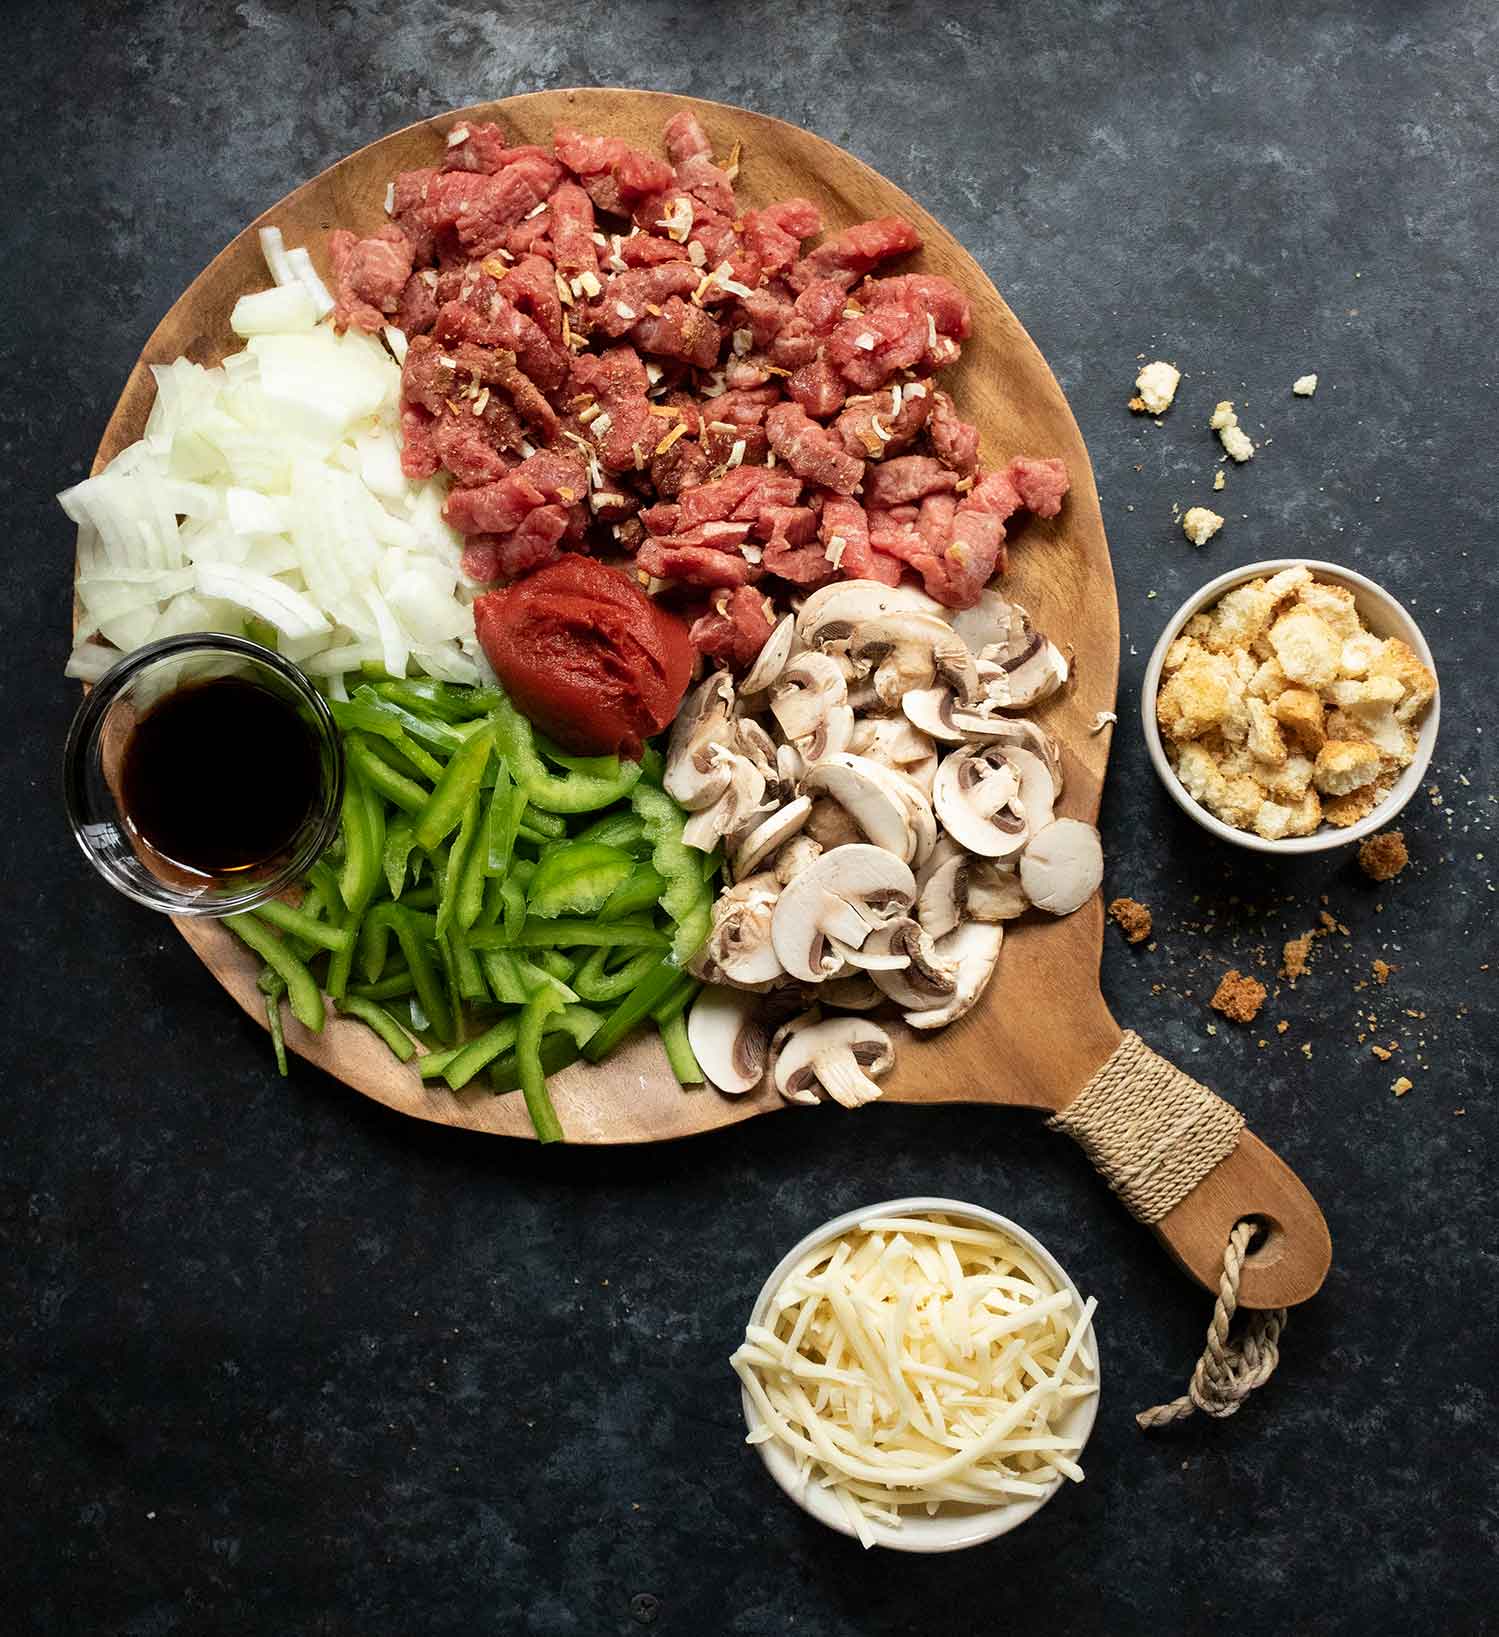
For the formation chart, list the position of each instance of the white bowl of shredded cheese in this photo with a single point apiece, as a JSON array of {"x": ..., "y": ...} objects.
[{"x": 920, "y": 1374}]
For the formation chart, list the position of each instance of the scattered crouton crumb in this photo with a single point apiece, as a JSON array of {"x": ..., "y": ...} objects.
[
  {"x": 1200, "y": 525},
  {"x": 1156, "y": 386},
  {"x": 1306, "y": 1050},
  {"x": 1401, "y": 1086},
  {"x": 1226, "y": 424},
  {"x": 1238, "y": 998},
  {"x": 1132, "y": 919},
  {"x": 1282, "y": 1026},
  {"x": 1383, "y": 857},
  {"x": 1304, "y": 385},
  {"x": 1218, "y": 479},
  {"x": 1383, "y": 1055},
  {"x": 1382, "y": 970},
  {"x": 1294, "y": 957}
]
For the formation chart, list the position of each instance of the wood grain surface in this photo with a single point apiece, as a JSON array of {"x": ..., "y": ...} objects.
[{"x": 1042, "y": 1027}]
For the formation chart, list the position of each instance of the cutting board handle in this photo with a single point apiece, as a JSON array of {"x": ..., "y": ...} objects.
[{"x": 1182, "y": 1162}]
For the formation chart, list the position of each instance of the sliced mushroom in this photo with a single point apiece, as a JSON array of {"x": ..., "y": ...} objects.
[
  {"x": 830, "y": 825},
  {"x": 833, "y": 613},
  {"x": 698, "y": 768},
  {"x": 1022, "y": 668},
  {"x": 798, "y": 854},
  {"x": 739, "y": 947},
  {"x": 1062, "y": 866},
  {"x": 810, "y": 705},
  {"x": 729, "y": 1038},
  {"x": 742, "y": 794},
  {"x": 894, "y": 741},
  {"x": 926, "y": 979},
  {"x": 910, "y": 650},
  {"x": 863, "y": 790},
  {"x": 968, "y": 889},
  {"x": 790, "y": 766},
  {"x": 845, "y": 894},
  {"x": 854, "y": 993},
  {"x": 976, "y": 795},
  {"x": 919, "y": 813},
  {"x": 945, "y": 850},
  {"x": 972, "y": 953},
  {"x": 841, "y": 1054},
  {"x": 771, "y": 659},
  {"x": 1038, "y": 790},
  {"x": 769, "y": 834},
  {"x": 986, "y": 623}
]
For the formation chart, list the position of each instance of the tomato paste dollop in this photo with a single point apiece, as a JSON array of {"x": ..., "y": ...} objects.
[{"x": 586, "y": 655}]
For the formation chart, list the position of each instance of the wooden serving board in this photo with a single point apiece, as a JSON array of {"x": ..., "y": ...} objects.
[{"x": 1042, "y": 1028}]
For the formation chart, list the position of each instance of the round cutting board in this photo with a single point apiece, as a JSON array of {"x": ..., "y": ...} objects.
[{"x": 1041, "y": 1027}]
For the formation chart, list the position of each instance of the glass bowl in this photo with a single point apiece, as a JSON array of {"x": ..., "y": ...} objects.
[{"x": 95, "y": 754}]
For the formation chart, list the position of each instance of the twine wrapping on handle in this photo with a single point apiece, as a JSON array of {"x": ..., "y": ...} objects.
[{"x": 1154, "y": 1133}]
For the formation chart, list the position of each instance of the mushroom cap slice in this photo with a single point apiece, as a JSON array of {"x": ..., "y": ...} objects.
[
  {"x": 988, "y": 622},
  {"x": 729, "y": 1038},
  {"x": 909, "y": 650},
  {"x": 1022, "y": 668},
  {"x": 1062, "y": 866},
  {"x": 796, "y": 855},
  {"x": 862, "y": 788},
  {"x": 739, "y": 946},
  {"x": 968, "y": 889},
  {"x": 841, "y": 1054},
  {"x": 1038, "y": 790},
  {"x": 894, "y": 741},
  {"x": 740, "y": 797},
  {"x": 810, "y": 705},
  {"x": 854, "y": 993},
  {"x": 696, "y": 772},
  {"x": 976, "y": 794},
  {"x": 831, "y": 614},
  {"x": 943, "y": 898},
  {"x": 994, "y": 894},
  {"x": 926, "y": 979},
  {"x": 918, "y": 808},
  {"x": 769, "y": 834},
  {"x": 845, "y": 894},
  {"x": 972, "y": 952},
  {"x": 771, "y": 659}
]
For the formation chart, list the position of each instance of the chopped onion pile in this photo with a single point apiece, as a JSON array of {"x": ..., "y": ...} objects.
[
  {"x": 917, "y": 1361},
  {"x": 270, "y": 489}
]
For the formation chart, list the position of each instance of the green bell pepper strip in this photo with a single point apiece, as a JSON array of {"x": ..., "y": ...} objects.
[
  {"x": 567, "y": 793},
  {"x": 375, "y": 717},
  {"x": 570, "y": 933},
  {"x": 440, "y": 699},
  {"x": 596, "y": 984},
  {"x": 383, "y": 751},
  {"x": 558, "y": 1052},
  {"x": 652, "y": 764},
  {"x": 712, "y": 863},
  {"x": 395, "y": 787},
  {"x": 444, "y": 809},
  {"x": 456, "y": 863},
  {"x": 513, "y": 893},
  {"x": 593, "y": 767},
  {"x": 548, "y": 825},
  {"x": 639, "y": 890},
  {"x": 533, "y": 1079},
  {"x": 359, "y": 881},
  {"x": 393, "y": 986},
  {"x": 299, "y": 924},
  {"x": 451, "y": 989},
  {"x": 427, "y": 729},
  {"x": 433, "y": 1063},
  {"x": 688, "y": 900},
  {"x": 623, "y": 830},
  {"x": 324, "y": 877},
  {"x": 471, "y": 984},
  {"x": 676, "y": 1002},
  {"x": 421, "y": 898},
  {"x": 414, "y": 932},
  {"x": 273, "y": 986},
  {"x": 577, "y": 879},
  {"x": 555, "y": 964},
  {"x": 524, "y": 832},
  {"x": 384, "y": 1025},
  {"x": 633, "y": 1009},
  {"x": 469, "y": 902},
  {"x": 400, "y": 838},
  {"x": 513, "y": 979},
  {"x": 479, "y": 1053},
  {"x": 302, "y": 990},
  {"x": 679, "y": 1053},
  {"x": 506, "y": 805}
]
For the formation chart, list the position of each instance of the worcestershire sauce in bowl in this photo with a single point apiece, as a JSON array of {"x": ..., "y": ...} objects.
[{"x": 220, "y": 776}]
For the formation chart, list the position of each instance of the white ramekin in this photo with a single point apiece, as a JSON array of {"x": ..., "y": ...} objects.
[
  {"x": 1384, "y": 616},
  {"x": 947, "y": 1531}
]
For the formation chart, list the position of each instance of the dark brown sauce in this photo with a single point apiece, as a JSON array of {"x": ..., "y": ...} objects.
[{"x": 219, "y": 776}]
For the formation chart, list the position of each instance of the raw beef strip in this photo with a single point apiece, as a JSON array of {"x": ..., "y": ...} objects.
[
  {"x": 1039, "y": 483},
  {"x": 683, "y": 466},
  {"x": 844, "y": 521},
  {"x": 931, "y": 293},
  {"x": 736, "y": 629},
  {"x": 849, "y": 255},
  {"x": 688, "y": 148},
  {"x": 494, "y": 508},
  {"x": 874, "y": 429},
  {"x": 817, "y": 389},
  {"x": 465, "y": 449},
  {"x": 775, "y": 234},
  {"x": 613, "y": 173},
  {"x": 571, "y": 212},
  {"x": 954, "y": 442},
  {"x": 746, "y": 408},
  {"x": 416, "y": 312},
  {"x": 531, "y": 288},
  {"x": 720, "y": 438},
  {"x": 506, "y": 556},
  {"x": 618, "y": 380},
  {"x": 368, "y": 276},
  {"x": 810, "y": 450},
  {"x": 743, "y": 493},
  {"x": 680, "y": 330},
  {"x": 474, "y": 147},
  {"x": 871, "y": 347},
  {"x": 694, "y": 565},
  {"x": 627, "y": 296},
  {"x": 408, "y": 198},
  {"x": 419, "y": 457},
  {"x": 542, "y": 360},
  {"x": 907, "y": 478}
]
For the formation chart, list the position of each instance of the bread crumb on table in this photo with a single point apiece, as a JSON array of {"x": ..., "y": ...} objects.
[
  {"x": 1218, "y": 479},
  {"x": 1156, "y": 386},
  {"x": 1401, "y": 1086},
  {"x": 1304, "y": 385},
  {"x": 1132, "y": 919},
  {"x": 1382, "y": 971},
  {"x": 1382, "y": 1053},
  {"x": 1282, "y": 1026},
  {"x": 1199, "y": 524},
  {"x": 1235, "y": 441},
  {"x": 1384, "y": 856},
  {"x": 1295, "y": 957},
  {"x": 1238, "y": 998}
]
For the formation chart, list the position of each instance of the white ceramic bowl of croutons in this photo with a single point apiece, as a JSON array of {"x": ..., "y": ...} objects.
[{"x": 1383, "y": 617}]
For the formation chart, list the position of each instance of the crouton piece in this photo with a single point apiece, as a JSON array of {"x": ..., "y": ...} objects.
[
  {"x": 1241, "y": 615},
  {"x": 1359, "y": 653},
  {"x": 1287, "y": 583},
  {"x": 1307, "y": 650},
  {"x": 1197, "y": 768},
  {"x": 1299, "y": 712},
  {"x": 1382, "y": 858},
  {"x": 1372, "y": 704},
  {"x": 1132, "y": 919},
  {"x": 1290, "y": 781},
  {"x": 1225, "y": 423},
  {"x": 1200, "y": 524},
  {"x": 1266, "y": 742},
  {"x": 1304, "y": 385},
  {"x": 1197, "y": 697},
  {"x": 1179, "y": 653},
  {"x": 1306, "y": 817},
  {"x": 1268, "y": 681},
  {"x": 1238, "y": 998},
  {"x": 1198, "y": 627},
  {"x": 1343, "y": 765},
  {"x": 1155, "y": 387},
  {"x": 1341, "y": 811},
  {"x": 1237, "y": 801},
  {"x": 1295, "y": 957},
  {"x": 1398, "y": 660},
  {"x": 1333, "y": 605},
  {"x": 1273, "y": 821}
]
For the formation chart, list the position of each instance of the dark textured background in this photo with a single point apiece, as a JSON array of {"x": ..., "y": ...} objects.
[{"x": 276, "y": 1361}]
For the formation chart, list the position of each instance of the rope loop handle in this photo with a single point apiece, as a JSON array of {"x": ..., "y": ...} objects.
[{"x": 1229, "y": 1370}]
